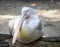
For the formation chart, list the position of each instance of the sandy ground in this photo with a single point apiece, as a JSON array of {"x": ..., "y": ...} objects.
[{"x": 49, "y": 13}]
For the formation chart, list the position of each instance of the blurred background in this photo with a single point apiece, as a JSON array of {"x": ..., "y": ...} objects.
[{"x": 47, "y": 10}]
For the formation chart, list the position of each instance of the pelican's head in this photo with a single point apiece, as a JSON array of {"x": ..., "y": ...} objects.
[{"x": 26, "y": 12}]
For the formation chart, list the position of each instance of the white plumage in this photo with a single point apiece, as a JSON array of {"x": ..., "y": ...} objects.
[{"x": 27, "y": 31}]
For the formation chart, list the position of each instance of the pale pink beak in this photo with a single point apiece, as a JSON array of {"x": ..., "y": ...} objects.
[{"x": 17, "y": 29}]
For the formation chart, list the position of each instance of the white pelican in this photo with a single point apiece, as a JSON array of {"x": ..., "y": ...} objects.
[{"x": 27, "y": 27}]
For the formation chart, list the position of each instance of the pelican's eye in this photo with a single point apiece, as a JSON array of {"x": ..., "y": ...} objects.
[{"x": 27, "y": 17}]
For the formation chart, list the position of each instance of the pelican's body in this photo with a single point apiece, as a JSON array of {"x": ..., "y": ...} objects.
[{"x": 30, "y": 29}]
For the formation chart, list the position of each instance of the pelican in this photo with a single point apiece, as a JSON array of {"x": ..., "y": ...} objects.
[{"x": 27, "y": 27}]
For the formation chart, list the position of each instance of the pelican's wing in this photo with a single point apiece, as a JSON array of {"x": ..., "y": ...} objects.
[
  {"x": 11, "y": 24},
  {"x": 34, "y": 22}
]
